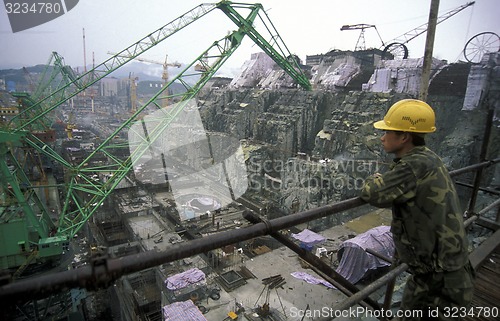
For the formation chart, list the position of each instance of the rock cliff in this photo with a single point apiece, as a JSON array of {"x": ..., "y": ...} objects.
[{"x": 306, "y": 149}]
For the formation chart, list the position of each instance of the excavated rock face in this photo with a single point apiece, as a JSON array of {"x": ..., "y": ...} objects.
[{"x": 306, "y": 149}]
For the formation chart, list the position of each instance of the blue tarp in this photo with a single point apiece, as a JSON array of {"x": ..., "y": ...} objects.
[
  {"x": 355, "y": 262},
  {"x": 185, "y": 310},
  {"x": 311, "y": 279},
  {"x": 308, "y": 237},
  {"x": 184, "y": 279}
]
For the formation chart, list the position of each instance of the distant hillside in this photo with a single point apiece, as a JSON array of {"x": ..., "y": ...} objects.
[
  {"x": 144, "y": 88},
  {"x": 17, "y": 79},
  {"x": 18, "y": 75}
]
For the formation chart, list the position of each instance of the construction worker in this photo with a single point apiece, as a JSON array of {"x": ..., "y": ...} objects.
[{"x": 427, "y": 223}]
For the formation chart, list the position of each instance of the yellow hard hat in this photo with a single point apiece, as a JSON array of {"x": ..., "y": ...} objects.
[{"x": 409, "y": 115}]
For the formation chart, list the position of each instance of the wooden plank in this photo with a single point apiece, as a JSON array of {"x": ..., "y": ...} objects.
[
  {"x": 483, "y": 251},
  {"x": 486, "y": 291}
]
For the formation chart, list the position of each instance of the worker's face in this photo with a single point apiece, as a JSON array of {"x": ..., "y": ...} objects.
[{"x": 393, "y": 142}]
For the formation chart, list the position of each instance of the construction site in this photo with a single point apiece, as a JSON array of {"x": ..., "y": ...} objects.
[{"x": 199, "y": 197}]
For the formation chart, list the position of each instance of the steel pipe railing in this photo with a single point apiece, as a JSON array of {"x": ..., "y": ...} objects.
[
  {"x": 329, "y": 274},
  {"x": 103, "y": 271},
  {"x": 487, "y": 190},
  {"x": 478, "y": 175},
  {"x": 391, "y": 275},
  {"x": 485, "y": 210},
  {"x": 474, "y": 167},
  {"x": 372, "y": 287}
]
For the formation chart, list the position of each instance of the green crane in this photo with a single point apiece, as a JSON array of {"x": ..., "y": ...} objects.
[{"x": 25, "y": 219}]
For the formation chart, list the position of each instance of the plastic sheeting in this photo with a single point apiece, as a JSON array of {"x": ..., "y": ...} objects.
[
  {"x": 185, "y": 310},
  {"x": 331, "y": 75},
  {"x": 308, "y": 237},
  {"x": 311, "y": 279},
  {"x": 204, "y": 204},
  {"x": 184, "y": 279},
  {"x": 478, "y": 80},
  {"x": 401, "y": 76},
  {"x": 253, "y": 71},
  {"x": 355, "y": 262}
]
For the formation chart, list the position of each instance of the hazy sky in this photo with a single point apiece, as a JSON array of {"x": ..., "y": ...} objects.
[{"x": 307, "y": 27}]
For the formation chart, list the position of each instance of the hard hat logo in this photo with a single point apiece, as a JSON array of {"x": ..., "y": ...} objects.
[
  {"x": 413, "y": 122},
  {"x": 408, "y": 115}
]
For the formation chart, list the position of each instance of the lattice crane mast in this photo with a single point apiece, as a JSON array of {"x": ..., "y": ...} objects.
[
  {"x": 24, "y": 218},
  {"x": 165, "y": 66},
  {"x": 360, "y": 44},
  {"x": 397, "y": 45},
  {"x": 83, "y": 194}
]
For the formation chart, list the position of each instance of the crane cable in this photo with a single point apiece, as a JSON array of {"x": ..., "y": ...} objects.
[{"x": 466, "y": 34}]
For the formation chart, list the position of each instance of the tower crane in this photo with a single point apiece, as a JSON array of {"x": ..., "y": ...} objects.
[
  {"x": 23, "y": 192},
  {"x": 132, "y": 92},
  {"x": 29, "y": 80},
  {"x": 25, "y": 221},
  {"x": 165, "y": 65},
  {"x": 397, "y": 46},
  {"x": 360, "y": 44}
]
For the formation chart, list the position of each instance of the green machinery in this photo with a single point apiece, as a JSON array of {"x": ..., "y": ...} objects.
[{"x": 28, "y": 231}]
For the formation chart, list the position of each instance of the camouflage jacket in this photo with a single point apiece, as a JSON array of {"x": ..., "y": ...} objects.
[{"x": 427, "y": 223}]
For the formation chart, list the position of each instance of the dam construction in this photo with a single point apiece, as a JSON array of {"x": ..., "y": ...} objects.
[{"x": 197, "y": 196}]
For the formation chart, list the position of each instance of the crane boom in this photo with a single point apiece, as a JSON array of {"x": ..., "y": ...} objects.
[
  {"x": 164, "y": 74},
  {"x": 281, "y": 55},
  {"x": 412, "y": 34},
  {"x": 55, "y": 75},
  {"x": 102, "y": 70},
  {"x": 360, "y": 44},
  {"x": 358, "y": 26},
  {"x": 83, "y": 193},
  {"x": 173, "y": 64}
]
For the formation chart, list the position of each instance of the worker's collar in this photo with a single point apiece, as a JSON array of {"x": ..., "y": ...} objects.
[{"x": 414, "y": 150}]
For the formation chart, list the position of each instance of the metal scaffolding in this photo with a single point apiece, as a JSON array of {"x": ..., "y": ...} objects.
[{"x": 104, "y": 271}]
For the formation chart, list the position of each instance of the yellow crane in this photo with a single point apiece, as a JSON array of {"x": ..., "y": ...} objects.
[
  {"x": 165, "y": 65},
  {"x": 133, "y": 92},
  {"x": 70, "y": 125}
]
